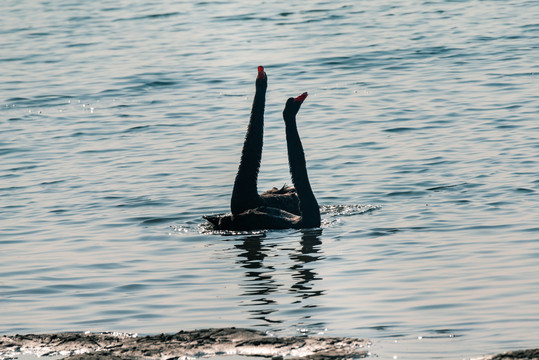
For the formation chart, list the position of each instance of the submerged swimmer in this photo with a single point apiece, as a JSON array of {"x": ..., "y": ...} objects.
[{"x": 288, "y": 207}]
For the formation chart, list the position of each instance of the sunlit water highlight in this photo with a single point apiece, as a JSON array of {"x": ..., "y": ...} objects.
[{"x": 122, "y": 125}]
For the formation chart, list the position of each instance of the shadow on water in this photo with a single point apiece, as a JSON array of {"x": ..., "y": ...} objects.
[{"x": 261, "y": 285}]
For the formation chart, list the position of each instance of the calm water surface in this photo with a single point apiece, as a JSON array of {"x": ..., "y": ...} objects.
[{"x": 122, "y": 124}]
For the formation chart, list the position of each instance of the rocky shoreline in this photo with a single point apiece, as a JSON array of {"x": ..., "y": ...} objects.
[
  {"x": 183, "y": 345},
  {"x": 197, "y": 343},
  {"x": 530, "y": 354}
]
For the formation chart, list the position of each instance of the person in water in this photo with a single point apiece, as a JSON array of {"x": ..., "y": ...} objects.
[{"x": 288, "y": 207}]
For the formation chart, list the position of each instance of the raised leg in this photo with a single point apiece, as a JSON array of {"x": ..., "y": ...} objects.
[
  {"x": 308, "y": 206},
  {"x": 245, "y": 193}
]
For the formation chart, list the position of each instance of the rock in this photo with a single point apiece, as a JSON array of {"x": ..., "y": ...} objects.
[
  {"x": 206, "y": 342},
  {"x": 198, "y": 343}
]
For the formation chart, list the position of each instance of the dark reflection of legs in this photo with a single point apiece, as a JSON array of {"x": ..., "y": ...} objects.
[
  {"x": 260, "y": 282},
  {"x": 304, "y": 276},
  {"x": 264, "y": 295}
]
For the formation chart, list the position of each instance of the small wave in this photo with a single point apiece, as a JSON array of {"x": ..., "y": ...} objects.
[
  {"x": 137, "y": 128},
  {"x": 6, "y": 151},
  {"x": 153, "y": 220},
  {"x": 81, "y": 44},
  {"x": 399, "y": 129},
  {"x": 41, "y": 100},
  {"x": 150, "y": 16},
  {"x": 138, "y": 202},
  {"x": 228, "y": 94},
  {"x": 523, "y": 190},
  {"x": 407, "y": 193},
  {"x": 241, "y": 17},
  {"x": 458, "y": 186},
  {"x": 78, "y": 19},
  {"x": 147, "y": 85}
]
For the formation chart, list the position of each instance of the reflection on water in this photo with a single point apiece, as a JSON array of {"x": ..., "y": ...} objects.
[
  {"x": 303, "y": 275},
  {"x": 259, "y": 283}
]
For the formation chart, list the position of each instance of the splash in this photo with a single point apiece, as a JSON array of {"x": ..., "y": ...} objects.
[{"x": 347, "y": 210}]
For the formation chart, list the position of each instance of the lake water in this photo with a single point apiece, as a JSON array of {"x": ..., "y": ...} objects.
[{"x": 122, "y": 124}]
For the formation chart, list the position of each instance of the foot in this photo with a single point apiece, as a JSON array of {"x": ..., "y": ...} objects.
[
  {"x": 261, "y": 79},
  {"x": 292, "y": 105}
]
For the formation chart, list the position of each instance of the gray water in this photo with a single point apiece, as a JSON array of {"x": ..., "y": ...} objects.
[{"x": 122, "y": 124}]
